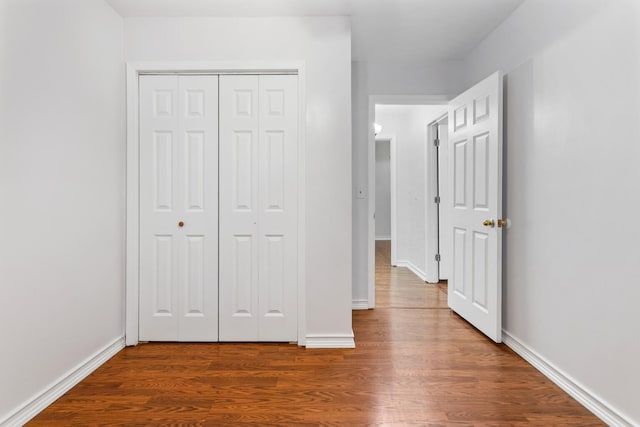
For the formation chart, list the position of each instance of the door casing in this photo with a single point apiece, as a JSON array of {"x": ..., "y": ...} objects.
[
  {"x": 391, "y": 139},
  {"x": 436, "y": 186},
  {"x": 133, "y": 71}
]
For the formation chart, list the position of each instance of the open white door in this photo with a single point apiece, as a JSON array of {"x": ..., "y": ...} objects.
[{"x": 475, "y": 190}]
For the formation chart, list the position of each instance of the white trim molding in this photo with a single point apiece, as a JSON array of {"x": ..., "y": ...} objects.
[
  {"x": 360, "y": 304},
  {"x": 586, "y": 398},
  {"x": 63, "y": 384},
  {"x": 391, "y": 139},
  {"x": 133, "y": 71},
  {"x": 330, "y": 341},
  {"x": 383, "y": 238}
]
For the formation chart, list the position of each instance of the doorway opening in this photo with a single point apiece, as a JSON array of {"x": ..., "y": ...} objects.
[
  {"x": 473, "y": 186},
  {"x": 400, "y": 229},
  {"x": 385, "y": 193}
]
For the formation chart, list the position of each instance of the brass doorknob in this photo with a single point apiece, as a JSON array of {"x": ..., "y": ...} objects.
[
  {"x": 181, "y": 224},
  {"x": 488, "y": 223},
  {"x": 502, "y": 223}
]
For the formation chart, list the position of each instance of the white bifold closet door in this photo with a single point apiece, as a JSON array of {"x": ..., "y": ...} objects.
[
  {"x": 258, "y": 208},
  {"x": 178, "y": 208}
]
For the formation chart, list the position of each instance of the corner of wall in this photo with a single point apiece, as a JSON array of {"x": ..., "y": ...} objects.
[{"x": 59, "y": 387}]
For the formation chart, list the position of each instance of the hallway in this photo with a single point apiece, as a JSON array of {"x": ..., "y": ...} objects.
[
  {"x": 400, "y": 288},
  {"x": 416, "y": 362}
]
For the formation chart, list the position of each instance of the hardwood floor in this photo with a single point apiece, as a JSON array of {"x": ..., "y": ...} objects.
[
  {"x": 398, "y": 287},
  {"x": 416, "y": 363}
]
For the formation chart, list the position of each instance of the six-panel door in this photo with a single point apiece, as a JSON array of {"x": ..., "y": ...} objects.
[
  {"x": 178, "y": 208},
  {"x": 258, "y": 208},
  {"x": 475, "y": 205}
]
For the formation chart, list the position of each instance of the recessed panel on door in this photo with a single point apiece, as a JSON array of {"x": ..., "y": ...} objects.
[
  {"x": 163, "y": 168},
  {"x": 274, "y": 280},
  {"x": 481, "y": 172},
  {"x": 243, "y": 148},
  {"x": 480, "y": 260},
  {"x": 243, "y": 275},
  {"x": 162, "y": 282},
  {"x": 459, "y": 254},
  {"x": 460, "y": 174},
  {"x": 194, "y": 277},
  {"x": 275, "y": 157},
  {"x": 195, "y": 141}
]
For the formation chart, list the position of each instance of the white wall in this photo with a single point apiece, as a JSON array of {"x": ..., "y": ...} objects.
[
  {"x": 383, "y": 190},
  {"x": 572, "y": 149},
  {"x": 324, "y": 45},
  {"x": 386, "y": 78},
  {"x": 62, "y": 190},
  {"x": 408, "y": 123}
]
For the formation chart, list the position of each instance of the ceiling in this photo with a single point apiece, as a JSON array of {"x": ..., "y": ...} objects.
[{"x": 382, "y": 30}]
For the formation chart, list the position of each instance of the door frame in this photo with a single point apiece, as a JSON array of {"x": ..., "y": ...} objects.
[
  {"x": 435, "y": 187},
  {"x": 132, "y": 258},
  {"x": 391, "y": 139},
  {"x": 371, "y": 171}
]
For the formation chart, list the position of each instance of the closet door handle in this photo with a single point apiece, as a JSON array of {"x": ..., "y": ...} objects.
[{"x": 181, "y": 224}]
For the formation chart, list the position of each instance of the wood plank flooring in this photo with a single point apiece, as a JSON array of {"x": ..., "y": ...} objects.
[
  {"x": 400, "y": 288},
  {"x": 416, "y": 363}
]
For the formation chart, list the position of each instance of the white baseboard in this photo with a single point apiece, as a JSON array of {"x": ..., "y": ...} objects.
[
  {"x": 589, "y": 400},
  {"x": 55, "y": 390},
  {"x": 330, "y": 341},
  {"x": 415, "y": 270},
  {"x": 383, "y": 238},
  {"x": 360, "y": 304}
]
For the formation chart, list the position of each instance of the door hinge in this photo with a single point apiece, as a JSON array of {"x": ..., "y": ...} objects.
[
  {"x": 436, "y": 142},
  {"x": 438, "y": 257},
  {"x": 436, "y": 199}
]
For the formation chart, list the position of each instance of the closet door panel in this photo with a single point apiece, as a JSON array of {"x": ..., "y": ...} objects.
[
  {"x": 159, "y": 141},
  {"x": 278, "y": 208},
  {"x": 198, "y": 198},
  {"x": 178, "y": 185},
  {"x": 239, "y": 186}
]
